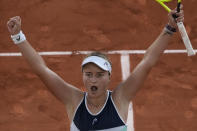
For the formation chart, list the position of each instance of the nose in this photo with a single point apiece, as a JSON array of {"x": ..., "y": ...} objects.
[{"x": 93, "y": 79}]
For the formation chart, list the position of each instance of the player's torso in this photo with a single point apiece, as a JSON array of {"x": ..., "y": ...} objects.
[{"x": 107, "y": 119}]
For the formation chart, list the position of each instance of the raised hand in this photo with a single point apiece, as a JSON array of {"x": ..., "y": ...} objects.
[
  {"x": 14, "y": 25},
  {"x": 175, "y": 17}
]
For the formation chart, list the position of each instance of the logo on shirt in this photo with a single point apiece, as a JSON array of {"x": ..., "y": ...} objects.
[
  {"x": 19, "y": 38},
  {"x": 95, "y": 120}
]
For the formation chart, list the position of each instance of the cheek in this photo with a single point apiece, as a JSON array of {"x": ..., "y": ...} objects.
[
  {"x": 105, "y": 81},
  {"x": 85, "y": 81}
]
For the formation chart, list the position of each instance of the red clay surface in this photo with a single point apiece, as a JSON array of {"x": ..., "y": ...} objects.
[{"x": 168, "y": 100}]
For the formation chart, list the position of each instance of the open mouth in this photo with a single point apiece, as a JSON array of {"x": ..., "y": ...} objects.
[{"x": 94, "y": 88}]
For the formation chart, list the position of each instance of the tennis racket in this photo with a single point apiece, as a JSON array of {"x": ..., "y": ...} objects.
[{"x": 181, "y": 27}]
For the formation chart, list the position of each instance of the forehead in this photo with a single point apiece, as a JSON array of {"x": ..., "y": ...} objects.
[{"x": 92, "y": 67}]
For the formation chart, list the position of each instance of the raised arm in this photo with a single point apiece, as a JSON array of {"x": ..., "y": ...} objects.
[
  {"x": 129, "y": 87},
  {"x": 65, "y": 92}
]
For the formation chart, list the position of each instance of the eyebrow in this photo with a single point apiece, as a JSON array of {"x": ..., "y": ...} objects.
[
  {"x": 101, "y": 72},
  {"x": 87, "y": 72},
  {"x": 96, "y": 72}
]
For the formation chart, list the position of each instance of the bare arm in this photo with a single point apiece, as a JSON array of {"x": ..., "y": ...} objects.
[
  {"x": 136, "y": 79},
  {"x": 63, "y": 91},
  {"x": 139, "y": 74}
]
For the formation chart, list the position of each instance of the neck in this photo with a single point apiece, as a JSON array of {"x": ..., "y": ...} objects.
[{"x": 98, "y": 101}]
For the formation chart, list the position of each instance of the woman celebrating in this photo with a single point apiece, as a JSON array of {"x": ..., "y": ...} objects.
[{"x": 97, "y": 108}]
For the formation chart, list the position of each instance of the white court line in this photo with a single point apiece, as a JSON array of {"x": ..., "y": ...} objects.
[
  {"x": 125, "y": 67},
  {"x": 87, "y": 52}
]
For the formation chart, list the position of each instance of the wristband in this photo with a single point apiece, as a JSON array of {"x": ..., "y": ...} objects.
[
  {"x": 169, "y": 29},
  {"x": 18, "y": 38},
  {"x": 168, "y": 32}
]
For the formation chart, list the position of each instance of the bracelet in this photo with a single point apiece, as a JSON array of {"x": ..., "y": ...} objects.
[
  {"x": 169, "y": 29},
  {"x": 18, "y": 38}
]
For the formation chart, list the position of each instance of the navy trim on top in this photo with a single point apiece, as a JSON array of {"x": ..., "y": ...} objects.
[{"x": 107, "y": 118}]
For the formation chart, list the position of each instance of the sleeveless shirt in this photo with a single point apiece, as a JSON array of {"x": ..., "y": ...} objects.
[{"x": 107, "y": 119}]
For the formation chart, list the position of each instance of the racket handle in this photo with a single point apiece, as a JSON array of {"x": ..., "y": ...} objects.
[
  {"x": 185, "y": 38},
  {"x": 178, "y": 6},
  {"x": 177, "y": 9}
]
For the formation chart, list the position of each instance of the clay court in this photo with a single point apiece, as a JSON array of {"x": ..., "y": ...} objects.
[{"x": 168, "y": 99}]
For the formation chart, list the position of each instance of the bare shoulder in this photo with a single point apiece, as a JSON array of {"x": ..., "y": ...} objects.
[
  {"x": 118, "y": 94},
  {"x": 120, "y": 102},
  {"x": 71, "y": 106}
]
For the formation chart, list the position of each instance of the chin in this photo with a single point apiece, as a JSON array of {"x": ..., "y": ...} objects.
[{"x": 95, "y": 94}]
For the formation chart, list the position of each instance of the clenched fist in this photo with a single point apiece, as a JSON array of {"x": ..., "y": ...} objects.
[
  {"x": 14, "y": 25},
  {"x": 175, "y": 17}
]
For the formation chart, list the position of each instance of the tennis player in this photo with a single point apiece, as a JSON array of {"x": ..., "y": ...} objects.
[{"x": 97, "y": 108}]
